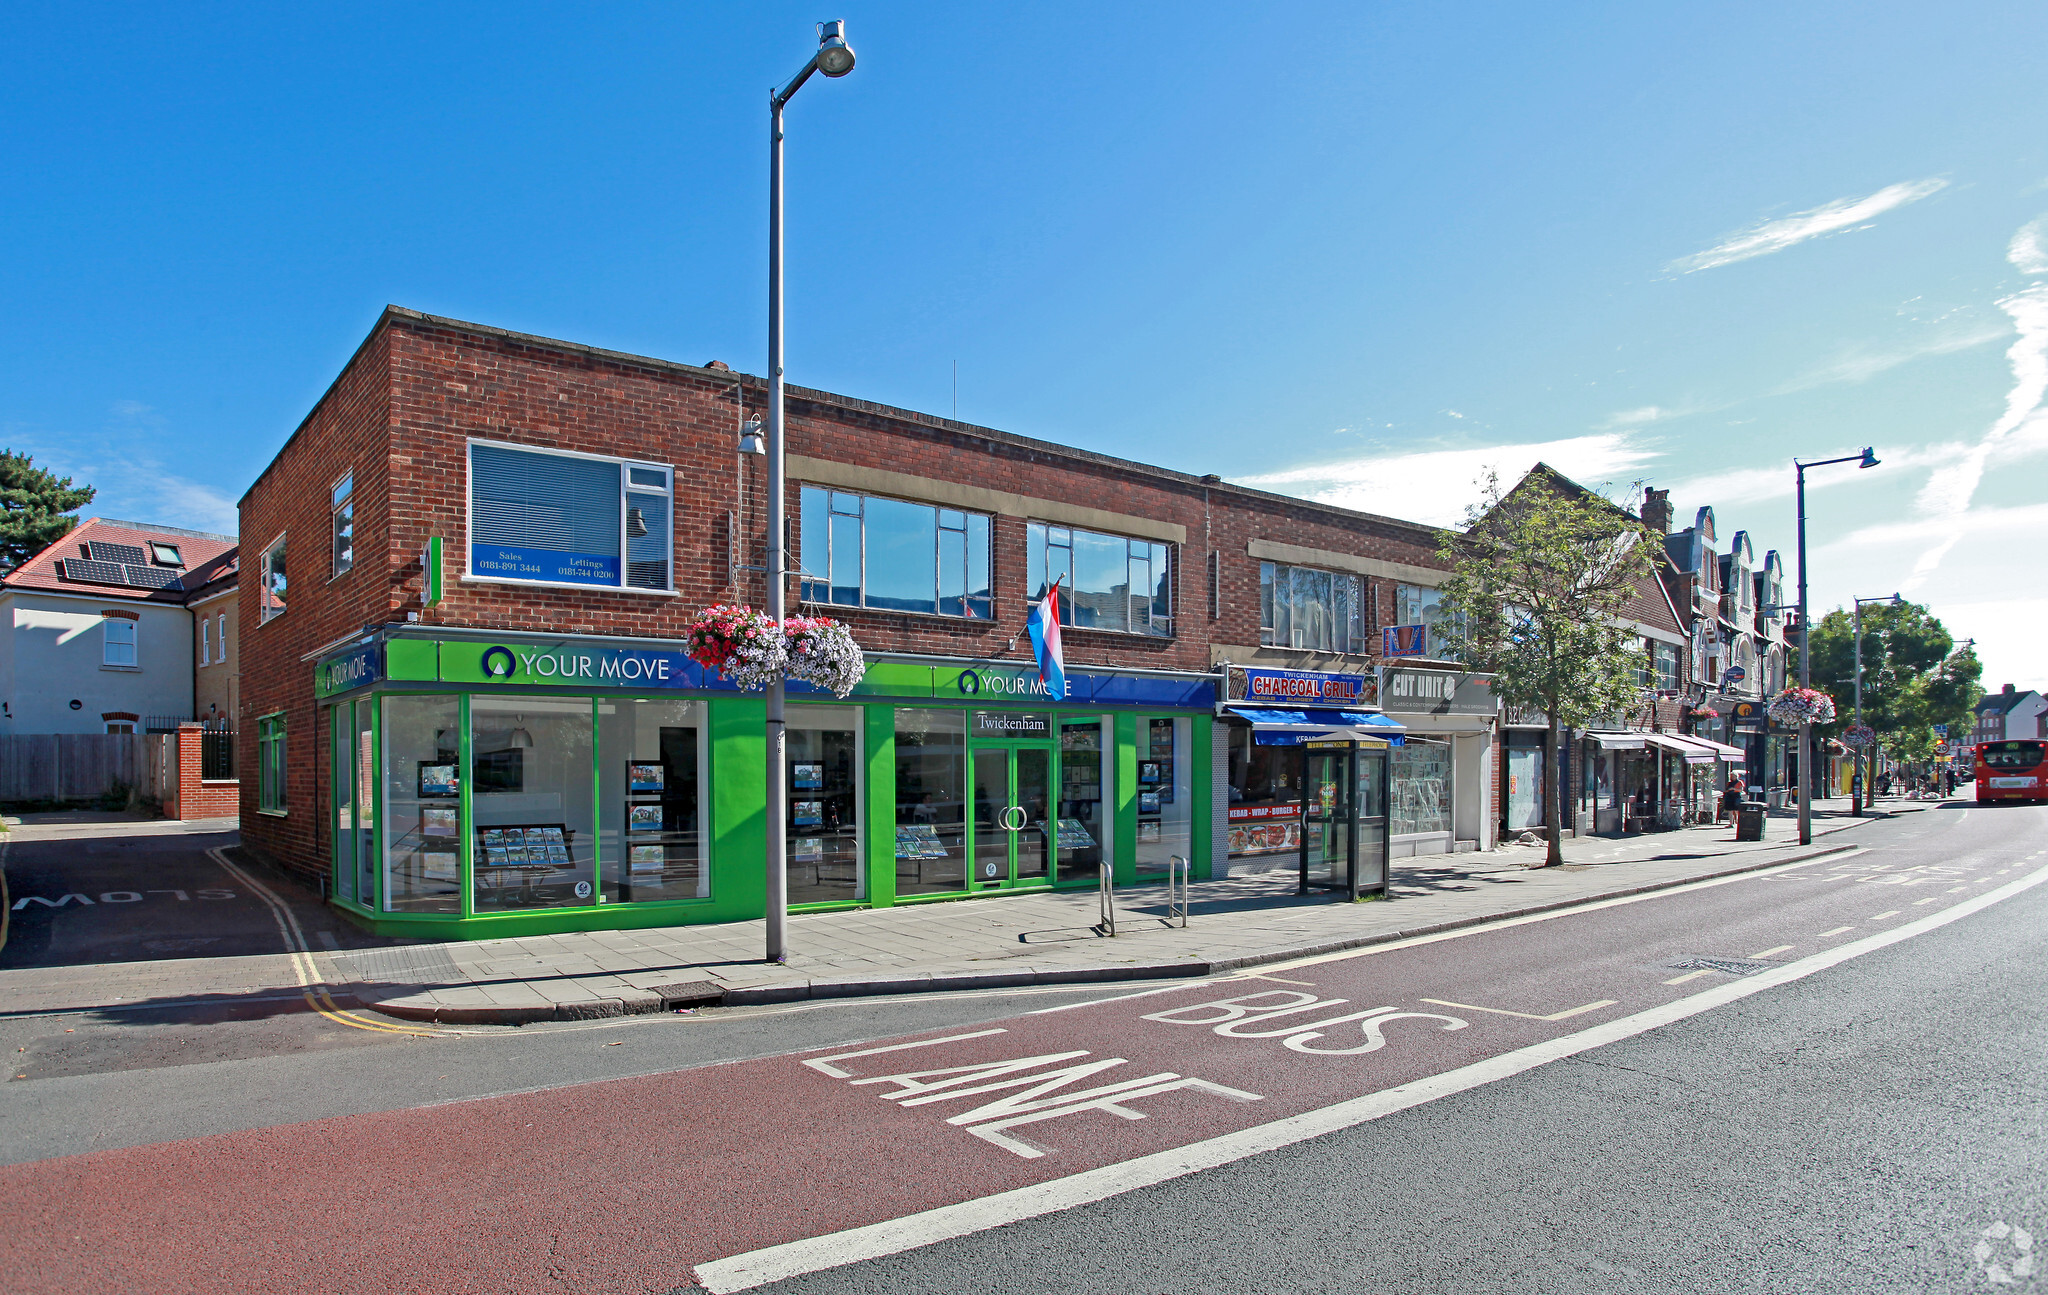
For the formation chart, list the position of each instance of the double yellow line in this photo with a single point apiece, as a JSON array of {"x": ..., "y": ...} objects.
[{"x": 311, "y": 985}]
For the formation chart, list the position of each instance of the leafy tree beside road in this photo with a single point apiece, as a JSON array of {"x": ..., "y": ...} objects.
[
  {"x": 37, "y": 508},
  {"x": 1914, "y": 676},
  {"x": 1539, "y": 583}
]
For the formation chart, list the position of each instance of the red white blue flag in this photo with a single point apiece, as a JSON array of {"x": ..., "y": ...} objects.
[{"x": 1044, "y": 626}]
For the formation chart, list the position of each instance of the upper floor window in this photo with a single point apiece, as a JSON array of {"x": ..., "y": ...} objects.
[
  {"x": 553, "y": 517},
  {"x": 118, "y": 646},
  {"x": 344, "y": 508},
  {"x": 1301, "y": 607},
  {"x": 220, "y": 636},
  {"x": 893, "y": 555},
  {"x": 1423, "y": 605},
  {"x": 1107, "y": 582},
  {"x": 1662, "y": 666},
  {"x": 270, "y": 582},
  {"x": 205, "y": 641}
]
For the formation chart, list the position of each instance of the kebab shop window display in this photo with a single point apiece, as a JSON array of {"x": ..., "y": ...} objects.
[{"x": 531, "y": 802}]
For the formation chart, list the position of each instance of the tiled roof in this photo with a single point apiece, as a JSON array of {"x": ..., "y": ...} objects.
[{"x": 72, "y": 566}]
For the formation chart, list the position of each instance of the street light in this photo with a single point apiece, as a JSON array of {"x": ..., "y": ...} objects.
[
  {"x": 1867, "y": 459},
  {"x": 834, "y": 58},
  {"x": 1857, "y": 785}
]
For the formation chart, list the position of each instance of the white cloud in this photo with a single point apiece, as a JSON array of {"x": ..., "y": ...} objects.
[
  {"x": 1857, "y": 364},
  {"x": 1436, "y": 486},
  {"x": 1622, "y": 418},
  {"x": 1777, "y": 235},
  {"x": 1950, "y": 488},
  {"x": 2026, "y": 250}
]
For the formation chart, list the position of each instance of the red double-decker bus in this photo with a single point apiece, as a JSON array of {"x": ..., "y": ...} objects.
[{"x": 2012, "y": 770}]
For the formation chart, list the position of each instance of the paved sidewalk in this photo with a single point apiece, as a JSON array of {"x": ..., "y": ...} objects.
[{"x": 1251, "y": 917}]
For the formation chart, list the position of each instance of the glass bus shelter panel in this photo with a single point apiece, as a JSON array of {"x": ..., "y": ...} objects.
[
  {"x": 422, "y": 805},
  {"x": 1371, "y": 820},
  {"x": 650, "y": 836},
  {"x": 1165, "y": 792},
  {"x": 1326, "y": 819},
  {"x": 531, "y": 802},
  {"x": 931, "y": 802},
  {"x": 823, "y": 830},
  {"x": 1033, "y": 797},
  {"x": 1082, "y": 830}
]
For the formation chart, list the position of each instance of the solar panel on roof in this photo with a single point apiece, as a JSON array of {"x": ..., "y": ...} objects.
[
  {"x": 150, "y": 577},
  {"x": 93, "y": 572},
  {"x": 101, "y": 551}
]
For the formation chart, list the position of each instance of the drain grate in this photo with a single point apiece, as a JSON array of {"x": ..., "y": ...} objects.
[{"x": 1730, "y": 966}]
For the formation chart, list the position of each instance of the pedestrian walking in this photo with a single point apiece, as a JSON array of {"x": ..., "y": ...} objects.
[{"x": 1731, "y": 799}]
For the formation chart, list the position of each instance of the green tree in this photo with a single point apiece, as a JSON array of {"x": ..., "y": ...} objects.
[
  {"x": 37, "y": 508},
  {"x": 1914, "y": 676},
  {"x": 1539, "y": 581}
]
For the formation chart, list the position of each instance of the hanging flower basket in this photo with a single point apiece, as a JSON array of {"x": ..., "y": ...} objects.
[
  {"x": 1704, "y": 712},
  {"x": 743, "y": 645},
  {"x": 1859, "y": 735},
  {"x": 1802, "y": 706},
  {"x": 822, "y": 652}
]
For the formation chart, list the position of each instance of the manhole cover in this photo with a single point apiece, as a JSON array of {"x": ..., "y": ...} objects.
[{"x": 1731, "y": 966}]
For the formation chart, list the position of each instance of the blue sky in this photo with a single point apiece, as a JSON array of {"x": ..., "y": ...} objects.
[{"x": 1354, "y": 252}]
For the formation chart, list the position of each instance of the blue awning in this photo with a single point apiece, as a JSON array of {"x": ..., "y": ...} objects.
[{"x": 1288, "y": 727}]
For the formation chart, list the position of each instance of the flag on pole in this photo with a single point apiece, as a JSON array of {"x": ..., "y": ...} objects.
[{"x": 1044, "y": 626}]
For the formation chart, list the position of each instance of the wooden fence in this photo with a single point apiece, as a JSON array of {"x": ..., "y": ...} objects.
[{"x": 82, "y": 767}]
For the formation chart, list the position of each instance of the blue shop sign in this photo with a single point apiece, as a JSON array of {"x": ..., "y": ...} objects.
[
  {"x": 1307, "y": 686},
  {"x": 349, "y": 670},
  {"x": 1009, "y": 683},
  {"x": 513, "y": 562}
]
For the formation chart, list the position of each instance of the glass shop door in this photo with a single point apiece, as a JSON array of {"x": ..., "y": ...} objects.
[{"x": 1010, "y": 811}]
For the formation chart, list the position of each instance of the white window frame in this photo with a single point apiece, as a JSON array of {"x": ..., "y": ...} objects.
[
  {"x": 220, "y": 637},
  {"x": 205, "y": 641},
  {"x": 108, "y": 624},
  {"x": 469, "y": 575},
  {"x": 1032, "y": 578},
  {"x": 1364, "y": 591},
  {"x": 268, "y": 611},
  {"x": 341, "y": 496},
  {"x": 807, "y": 578}
]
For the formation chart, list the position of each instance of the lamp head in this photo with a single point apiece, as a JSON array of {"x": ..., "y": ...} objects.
[
  {"x": 835, "y": 56},
  {"x": 750, "y": 437},
  {"x": 1870, "y": 459}
]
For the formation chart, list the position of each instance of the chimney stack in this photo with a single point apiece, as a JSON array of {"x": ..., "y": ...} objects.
[{"x": 1657, "y": 510}]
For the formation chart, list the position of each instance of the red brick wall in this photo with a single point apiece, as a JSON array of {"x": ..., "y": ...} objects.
[{"x": 197, "y": 796}]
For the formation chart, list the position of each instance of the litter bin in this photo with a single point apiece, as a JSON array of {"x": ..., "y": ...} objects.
[{"x": 1749, "y": 820}]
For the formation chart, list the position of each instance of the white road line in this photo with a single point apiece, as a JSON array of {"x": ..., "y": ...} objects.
[
  {"x": 1690, "y": 975},
  {"x": 1191, "y": 983},
  {"x": 1837, "y": 931},
  {"x": 1955, "y": 889},
  {"x": 1527, "y": 1016},
  {"x": 1890, "y": 912},
  {"x": 1768, "y": 952},
  {"x": 1931, "y": 899},
  {"x": 824, "y": 1066},
  {"x": 814, "y": 1254}
]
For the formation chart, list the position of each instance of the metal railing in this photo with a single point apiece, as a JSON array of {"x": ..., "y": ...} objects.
[{"x": 217, "y": 754}]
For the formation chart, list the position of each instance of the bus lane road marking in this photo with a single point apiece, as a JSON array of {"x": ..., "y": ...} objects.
[{"x": 1253, "y": 1017}]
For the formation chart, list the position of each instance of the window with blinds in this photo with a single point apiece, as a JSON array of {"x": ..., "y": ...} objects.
[{"x": 551, "y": 517}]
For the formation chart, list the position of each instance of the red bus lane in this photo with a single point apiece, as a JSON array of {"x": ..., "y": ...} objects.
[{"x": 627, "y": 1185}]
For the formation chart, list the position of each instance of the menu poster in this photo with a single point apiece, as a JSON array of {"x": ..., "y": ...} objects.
[
  {"x": 807, "y": 777},
  {"x": 807, "y": 813},
  {"x": 437, "y": 782},
  {"x": 648, "y": 858},
  {"x": 643, "y": 818},
  {"x": 439, "y": 865},
  {"x": 645, "y": 777},
  {"x": 438, "y": 820}
]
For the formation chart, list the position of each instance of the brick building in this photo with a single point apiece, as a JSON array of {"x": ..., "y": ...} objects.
[{"x": 534, "y": 750}]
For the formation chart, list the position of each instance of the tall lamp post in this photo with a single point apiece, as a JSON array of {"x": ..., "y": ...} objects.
[
  {"x": 1859, "y": 785},
  {"x": 834, "y": 58},
  {"x": 1867, "y": 459}
]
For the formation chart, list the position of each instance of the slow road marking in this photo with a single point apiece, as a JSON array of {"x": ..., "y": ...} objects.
[{"x": 813, "y": 1254}]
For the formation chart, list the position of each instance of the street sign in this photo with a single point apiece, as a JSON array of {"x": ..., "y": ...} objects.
[
  {"x": 1735, "y": 674},
  {"x": 1403, "y": 640},
  {"x": 1941, "y": 730},
  {"x": 1941, "y": 749}
]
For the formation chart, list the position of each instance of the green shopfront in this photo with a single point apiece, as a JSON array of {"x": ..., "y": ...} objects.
[{"x": 498, "y": 784}]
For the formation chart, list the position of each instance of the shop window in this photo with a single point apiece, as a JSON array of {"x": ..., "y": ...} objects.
[
  {"x": 1265, "y": 794},
  {"x": 1301, "y": 607},
  {"x": 270, "y": 764},
  {"x": 1419, "y": 774},
  {"x": 551, "y": 517},
  {"x": 823, "y": 827},
  {"x": 533, "y": 843},
  {"x": 893, "y": 555},
  {"x": 1084, "y": 819},
  {"x": 1107, "y": 582},
  {"x": 270, "y": 582},
  {"x": 1423, "y": 605},
  {"x": 422, "y": 805},
  {"x": 651, "y": 844},
  {"x": 1165, "y": 793},
  {"x": 344, "y": 514},
  {"x": 931, "y": 806},
  {"x": 118, "y": 647}
]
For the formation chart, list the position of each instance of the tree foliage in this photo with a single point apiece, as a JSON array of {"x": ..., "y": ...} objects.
[
  {"x": 37, "y": 508},
  {"x": 1540, "y": 582},
  {"x": 1914, "y": 675}
]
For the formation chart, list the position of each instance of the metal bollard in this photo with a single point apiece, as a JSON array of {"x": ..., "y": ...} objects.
[
  {"x": 1106, "y": 893},
  {"x": 1179, "y": 872}
]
